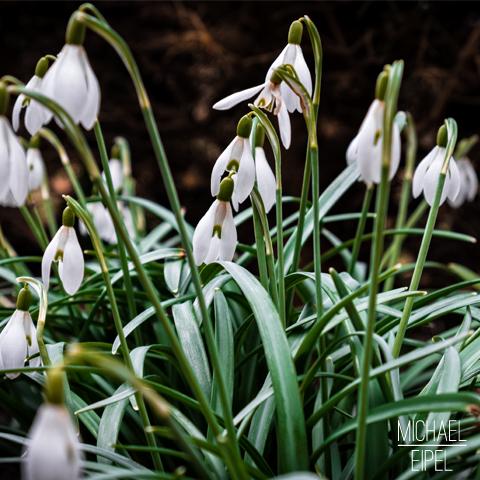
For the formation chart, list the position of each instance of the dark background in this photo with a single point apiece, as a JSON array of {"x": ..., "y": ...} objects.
[{"x": 192, "y": 54}]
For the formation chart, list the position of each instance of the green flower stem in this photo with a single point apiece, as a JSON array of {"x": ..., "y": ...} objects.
[
  {"x": 257, "y": 225},
  {"x": 234, "y": 460},
  {"x": 403, "y": 207},
  {"x": 47, "y": 203},
  {"x": 132, "y": 309},
  {"x": 42, "y": 315},
  {"x": 360, "y": 229},
  {"x": 38, "y": 220},
  {"x": 83, "y": 215},
  {"x": 427, "y": 237},
  {"x": 411, "y": 222},
  {"x": 391, "y": 96},
  {"x": 42, "y": 241},
  {"x": 48, "y": 135}
]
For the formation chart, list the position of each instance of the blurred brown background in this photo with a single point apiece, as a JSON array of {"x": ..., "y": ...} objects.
[{"x": 192, "y": 54}]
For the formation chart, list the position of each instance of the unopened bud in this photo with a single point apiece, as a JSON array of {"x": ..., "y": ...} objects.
[
  {"x": 24, "y": 299},
  {"x": 381, "y": 87},
  {"x": 68, "y": 217},
  {"x": 42, "y": 67},
  {"x": 259, "y": 135},
  {"x": 54, "y": 388},
  {"x": 75, "y": 31},
  {"x": 295, "y": 33},
  {"x": 226, "y": 190}
]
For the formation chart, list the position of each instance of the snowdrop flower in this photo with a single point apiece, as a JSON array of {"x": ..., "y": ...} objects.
[
  {"x": 428, "y": 171},
  {"x": 116, "y": 171},
  {"x": 237, "y": 158},
  {"x": 266, "y": 182},
  {"x": 36, "y": 168},
  {"x": 70, "y": 81},
  {"x": 53, "y": 449},
  {"x": 292, "y": 55},
  {"x": 65, "y": 249},
  {"x": 215, "y": 236},
  {"x": 468, "y": 183},
  {"x": 18, "y": 339},
  {"x": 103, "y": 222},
  {"x": 13, "y": 162},
  {"x": 366, "y": 147},
  {"x": 36, "y": 114},
  {"x": 269, "y": 97}
]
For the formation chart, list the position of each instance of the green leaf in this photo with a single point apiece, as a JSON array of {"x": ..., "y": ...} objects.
[
  {"x": 291, "y": 434},
  {"x": 192, "y": 344},
  {"x": 172, "y": 273}
]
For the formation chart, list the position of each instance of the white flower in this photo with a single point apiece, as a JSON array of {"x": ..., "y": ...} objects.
[
  {"x": 116, "y": 171},
  {"x": 236, "y": 157},
  {"x": 427, "y": 175},
  {"x": 215, "y": 236},
  {"x": 71, "y": 83},
  {"x": 292, "y": 55},
  {"x": 366, "y": 147},
  {"x": 64, "y": 249},
  {"x": 468, "y": 183},
  {"x": 102, "y": 221},
  {"x": 36, "y": 168},
  {"x": 13, "y": 165},
  {"x": 36, "y": 115},
  {"x": 53, "y": 450},
  {"x": 266, "y": 182},
  {"x": 270, "y": 95},
  {"x": 18, "y": 341}
]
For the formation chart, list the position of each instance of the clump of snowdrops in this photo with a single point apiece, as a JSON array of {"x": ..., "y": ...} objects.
[{"x": 213, "y": 372}]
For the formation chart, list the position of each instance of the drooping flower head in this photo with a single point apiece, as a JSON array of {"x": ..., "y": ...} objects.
[
  {"x": 18, "y": 339},
  {"x": 266, "y": 182},
  {"x": 427, "y": 174},
  {"x": 215, "y": 236},
  {"x": 36, "y": 167},
  {"x": 13, "y": 162},
  {"x": 65, "y": 249},
  {"x": 292, "y": 55},
  {"x": 36, "y": 115},
  {"x": 366, "y": 147},
  {"x": 237, "y": 159},
  {"x": 468, "y": 182},
  {"x": 52, "y": 451},
  {"x": 71, "y": 82}
]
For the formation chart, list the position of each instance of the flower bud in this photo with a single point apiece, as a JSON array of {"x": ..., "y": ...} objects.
[
  {"x": 54, "y": 387},
  {"x": 259, "y": 135},
  {"x": 226, "y": 190},
  {"x": 42, "y": 67},
  {"x": 115, "y": 153},
  {"x": 75, "y": 31},
  {"x": 442, "y": 137},
  {"x": 24, "y": 299},
  {"x": 381, "y": 87},
  {"x": 34, "y": 142},
  {"x": 295, "y": 33},
  {"x": 4, "y": 95},
  {"x": 68, "y": 217},
  {"x": 244, "y": 127}
]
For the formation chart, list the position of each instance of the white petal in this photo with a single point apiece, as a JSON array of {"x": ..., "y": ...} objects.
[
  {"x": 369, "y": 154},
  {"x": 116, "y": 171},
  {"x": 31, "y": 332},
  {"x": 265, "y": 179},
  {"x": 92, "y": 102},
  {"x": 18, "y": 179},
  {"x": 48, "y": 257},
  {"x": 276, "y": 63},
  {"x": 214, "y": 250},
  {"x": 352, "y": 149},
  {"x": 203, "y": 234},
  {"x": 14, "y": 345},
  {"x": 219, "y": 168},
  {"x": 471, "y": 175},
  {"x": 302, "y": 70},
  {"x": 291, "y": 99},
  {"x": 36, "y": 168},
  {"x": 17, "y": 108},
  {"x": 35, "y": 117},
  {"x": 65, "y": 82},
  {"x": 284, "y": 126},
  {"x": 234, "y": 199},
  {"x": 432, "y": 177},
  {"x": 395, "y": 155},
  {"x": 235, "y": 98},
  {"x": 419, "y": 177},
  {"x": 229, "y": 237},
  {"x": 73, "y": 265},
  {"x": 245, "y": 179},
  {"x": 4, "y": 159},
  {"x": 53, "y": 452},
  {"x": 453, "y": 176}
]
